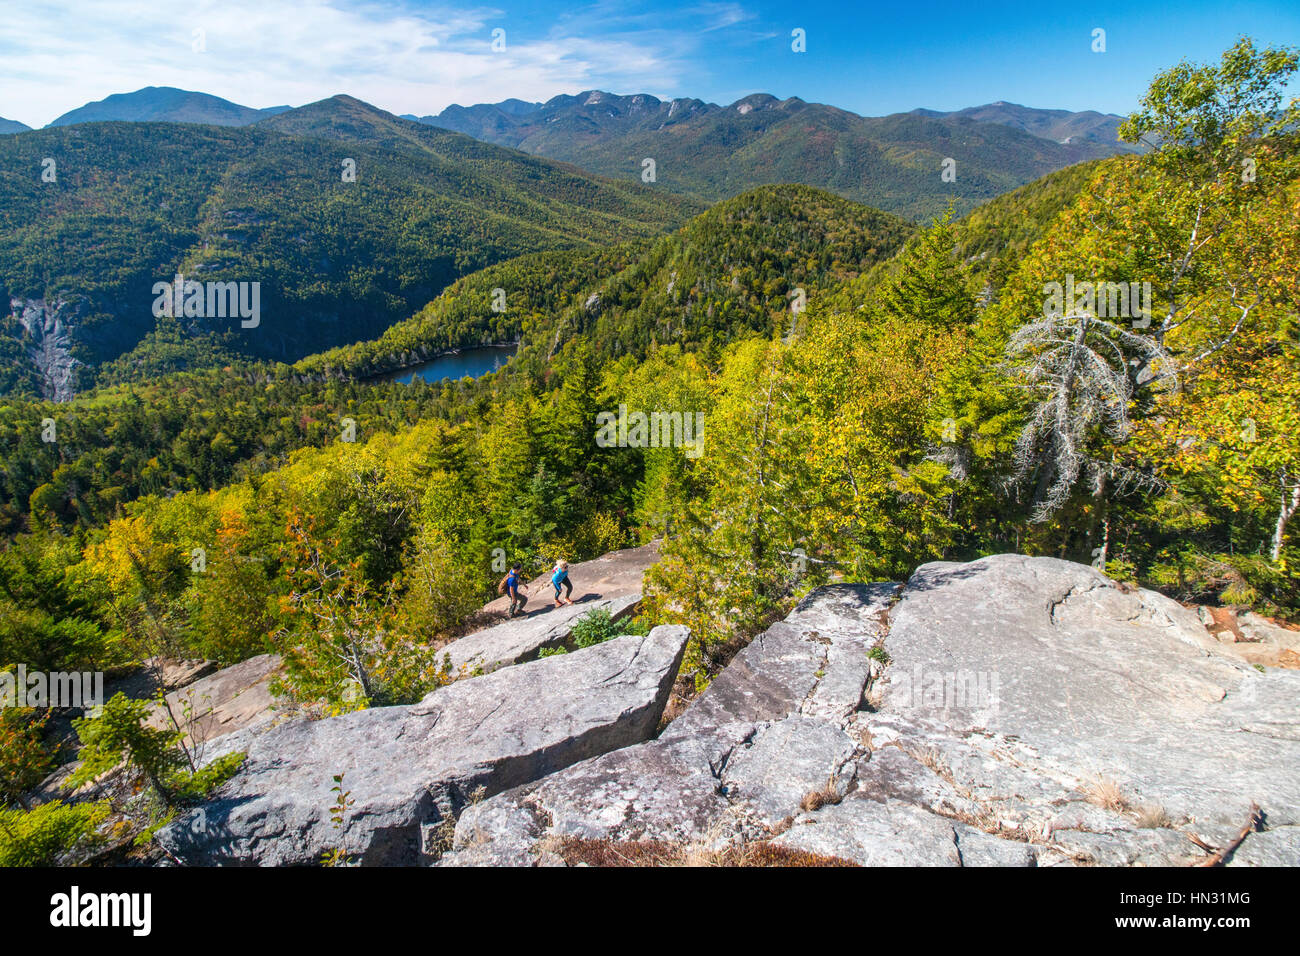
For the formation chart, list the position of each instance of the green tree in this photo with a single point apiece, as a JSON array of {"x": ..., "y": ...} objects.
[
  {"x": 340, "y": 643},
  {"x": 440, "y": 592},
  {"x": 121, "y": 734},
  {"x": 232, "y": 610},
  {"x": 930, "y": 284},
  {"x": 24, "y": 757}
]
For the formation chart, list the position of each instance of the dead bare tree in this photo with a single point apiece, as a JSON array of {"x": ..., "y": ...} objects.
[{"x": 1084, "y": 374}]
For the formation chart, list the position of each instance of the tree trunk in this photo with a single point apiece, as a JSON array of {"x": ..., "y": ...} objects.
[
  {"x": 1285, "y": 512},
  {"x": 1100, "y": 519}
]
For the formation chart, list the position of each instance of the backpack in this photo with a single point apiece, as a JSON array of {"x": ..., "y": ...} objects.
[{"x": 501, "y": 588}]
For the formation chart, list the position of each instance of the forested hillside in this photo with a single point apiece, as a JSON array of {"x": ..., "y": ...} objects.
[
  {"x": 730, "y": 273},
  {"x": 337, "y": 259},
  {"x": 993, "y": 238}
]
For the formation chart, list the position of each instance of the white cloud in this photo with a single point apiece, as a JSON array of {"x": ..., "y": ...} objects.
[{"x": 58, "y": 54}]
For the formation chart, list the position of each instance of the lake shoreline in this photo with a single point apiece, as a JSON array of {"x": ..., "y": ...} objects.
[{"x": 412, "y": 368}]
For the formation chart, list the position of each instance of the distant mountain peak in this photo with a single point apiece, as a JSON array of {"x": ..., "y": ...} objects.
[
  {"x": 346, "y": 99},
  {"x": 339, "y": 105},
  {"x": 684, "y": 105},
  {"x": 754, "y": 101},
  {"x": 165, "y": 104},
  {"x": 516, "y": 107},
  {"x": 344, "y": 116}
]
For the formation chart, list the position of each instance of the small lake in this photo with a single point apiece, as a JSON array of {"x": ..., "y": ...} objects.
[{"x": 472, "y": 362}]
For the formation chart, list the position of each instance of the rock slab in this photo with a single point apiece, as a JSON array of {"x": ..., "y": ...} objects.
[
  {"x": 1100, "y": 723},
  {"x": 772, "y": 728},
  {"x": 415, "y": 766},
  {"x": 521, "y": 638},
  {"x": 223, "y": 702},
  {"x": 1010, "y": 711}
]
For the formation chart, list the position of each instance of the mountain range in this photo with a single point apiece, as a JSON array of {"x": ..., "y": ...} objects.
[
  {"x": 891, "y": 162},
  {"x": 1060, "y": 126},
  {"x": 520, "y": 124},
  {"x": 711, "y": 152}
]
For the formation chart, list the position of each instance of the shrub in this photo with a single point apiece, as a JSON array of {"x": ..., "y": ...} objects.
[
  {"x": 594, "y": 627},
  {"x": 597, "y": 627},
  {"x": 50, "y": 833},
  {"x": 196, "y": 785},
  {"x": 24, "y": 759},
  {"x": 120, "y": 735}
]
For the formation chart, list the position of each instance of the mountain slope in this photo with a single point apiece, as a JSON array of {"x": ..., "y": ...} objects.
[
  {"x": 165, "y": 104},
  {"x": 729, "y": 273},
  {"x": 735, "y": 270},
  {"x": 738, "y": 262},
  {"x": 12, "y": 126},
  {"x": 1060, "y": 126},
  {"x": 994, "y": 237},
  {"x": 892, "y": 162},
  {"x": 337, "y": 261}
]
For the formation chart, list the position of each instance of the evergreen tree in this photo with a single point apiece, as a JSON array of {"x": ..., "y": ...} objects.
[{"x": 930, "y": 285}]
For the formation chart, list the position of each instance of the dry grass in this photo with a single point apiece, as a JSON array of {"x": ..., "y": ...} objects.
[
  {"x": 824, "y": 795},
  {"x": 681, "y": 697},
  {"x": 862, "y": 733},
  {"x": 441, "y": 838},
  {"x": 1106, "y": 793},
  {"x": 1152, "y": 816},
  {"x": 580, "y": 851},
  {"x": 934, "y": 760}
]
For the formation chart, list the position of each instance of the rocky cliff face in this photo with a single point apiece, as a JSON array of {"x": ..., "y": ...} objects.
[{"x": 49, "y": 325}]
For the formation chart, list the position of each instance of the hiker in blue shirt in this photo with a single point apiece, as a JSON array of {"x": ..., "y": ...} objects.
[
  {"x": 561, "y": 579},
  {"x": 511, "y": 584}
]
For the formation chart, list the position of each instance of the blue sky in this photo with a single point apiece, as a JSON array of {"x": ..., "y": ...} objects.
[{"x": 415, "y": 56}]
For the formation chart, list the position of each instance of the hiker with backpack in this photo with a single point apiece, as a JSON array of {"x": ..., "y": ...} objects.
[
  {"x": 561, "y": 578},
  {"x": 512, "y": 585}
]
